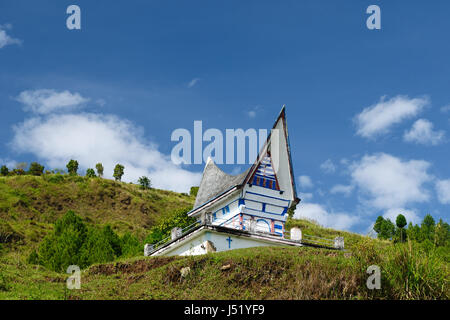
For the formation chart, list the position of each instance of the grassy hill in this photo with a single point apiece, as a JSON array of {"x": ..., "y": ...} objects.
[{"x": 30, "y": 205}]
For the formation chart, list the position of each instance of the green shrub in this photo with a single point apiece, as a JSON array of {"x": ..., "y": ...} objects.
[
  {"x": 90, "y": 173},
  {"x": 33, "y": 258},
  {"x": 4, "y": 283},
  {"x": 4, "y": 171},
  {"x": 72, "y": 242},
  {"x": 178, "y": 218},
  {"x": 193, "y": 192},
  {"x": 97, "y": 248},
  {"x": 62, "y": 247},
  {"x": 36, "y": 169},
  {"x": 131, "y": 246},
  {"x": 56, "y": 178},
  {"x": 118, "y": 172},
  {"x": 72, "y": 167},
  {"x": 415, "y": 272}
]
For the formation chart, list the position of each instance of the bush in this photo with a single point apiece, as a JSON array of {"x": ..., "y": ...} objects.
[
  {"x": 144, "y": 182},
  {"x": 193, "y": 192},
  {"x": 72, "y": 167},
  {"x": 177, "y": 218},
  {"x": 33, "y": 258},
  {"x": 99, "y": 168},
  {"x": 4, "y": 283},
  {"x": 118, "y": 172},
  {"x": 90, "y": 173},
  {"x": 62, "y": 247},
  {"x": 36, "y": 169},
  {"x": 73, "y": 243},
  {"x": 4, "y": 171},
  {"x": 57, "y": 178},
  {"x": 131, "y": 246}
]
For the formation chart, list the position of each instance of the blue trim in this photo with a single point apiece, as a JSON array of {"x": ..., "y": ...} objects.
[
  {"x": 277, "y": 226},
  {"x": 252, "y": 215},
  {"x": 262, "y": 195},
  {"x": 264, "y": 221},
  {"x": 267, "y": 212}
]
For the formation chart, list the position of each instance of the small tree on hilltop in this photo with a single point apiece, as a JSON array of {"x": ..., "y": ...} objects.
[
  {"x": 90, "y": 173},
  {"x": 36, "y": 169},
  {"x": 427, "y": 227},
  {"x": 118, "y": 172},
  {"x": 401, "y": 223},
  {"x": 99, "y": 168},
  {"x": 145, "y": 182},
  {"x": 4, "y": 171},
  {"x": 72, "y": 167}
]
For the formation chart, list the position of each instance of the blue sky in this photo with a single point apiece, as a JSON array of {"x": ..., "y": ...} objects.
[{"x": 367, "y": 109}]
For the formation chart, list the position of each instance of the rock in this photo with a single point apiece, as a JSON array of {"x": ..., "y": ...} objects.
[
  {"x": 185, "y": 271},
  {"x": 225, "y": 267}
]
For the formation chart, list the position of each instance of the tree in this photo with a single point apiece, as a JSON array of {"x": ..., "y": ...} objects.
[
  {"x": 145, "y": 182},
  {"x": 118, "y": 172},
  {"x": 4, "y": 171},
  {"x": 90, "y": 173},
  {"x": 442, "y": 233},
  {"x": 72, "y": 167},
  {"x": 384, "y": 227},
  {"x": 387, "y": 229},
  {"x": 62, "y": 247},
  {"x": 193, "y": 192},
  {"x": 427, "y": 228},
  {"x": 99, "y": 168},
  {"x": 413, "y": 232},
  {"x": 36, "y": 169},
  {"x": 401, "y": 223},
  {"x": 291, "y": 211},
  {"x": 378, "y": 223}
]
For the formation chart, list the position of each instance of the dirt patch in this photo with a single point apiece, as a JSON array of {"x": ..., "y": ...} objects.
[{"x": 139, "y": 266}]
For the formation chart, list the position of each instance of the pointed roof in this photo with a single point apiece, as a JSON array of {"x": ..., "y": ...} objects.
[{"x": 215, "y": 182}]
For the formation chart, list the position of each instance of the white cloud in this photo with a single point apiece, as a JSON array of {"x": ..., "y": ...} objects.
[
  {"x": 345, "y": 190},
  {"x": 253, "y": 112},
  {"x": 46, "y": 101},
  {"x": 445, "y": 109},
  {"x": 443, "y": 191},
  {"x": 410, "y": 215},
  {"x": 389, "y": 182},
  {"x": 328, "y": 166},
  {"x": 422, "y": 132},
  {"x": 5, "y": 39},
  {"x": 193, "y": 82},
  {"x": 316, "y": 212},
  {"x": 379, "y": 118},
  {"x": 11, "y": 164},
  {"x": 305, "y": 196},
  {"x": 92, "y": 138},
  {"x": 305, "y": 182}
]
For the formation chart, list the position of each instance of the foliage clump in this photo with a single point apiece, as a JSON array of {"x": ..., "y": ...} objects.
[{"x": 72, "y": 242}]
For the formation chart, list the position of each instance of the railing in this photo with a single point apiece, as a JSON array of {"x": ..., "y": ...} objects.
[
  {"x": 305, "y": 239},
  {"x": 167, "y": 239}
]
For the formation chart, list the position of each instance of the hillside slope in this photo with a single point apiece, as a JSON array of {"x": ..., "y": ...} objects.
[{"x": 30, "y": 205}]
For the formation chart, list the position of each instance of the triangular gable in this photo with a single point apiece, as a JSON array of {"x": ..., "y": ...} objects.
[
  {"x": 277, "y": 140},
  {"x": 264, "y": 176}
]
